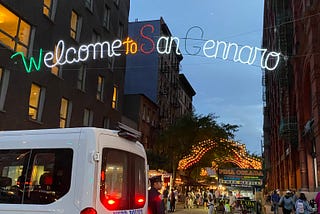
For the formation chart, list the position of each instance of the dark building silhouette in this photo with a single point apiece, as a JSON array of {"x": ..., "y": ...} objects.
[{"x": 84, "y": 93}]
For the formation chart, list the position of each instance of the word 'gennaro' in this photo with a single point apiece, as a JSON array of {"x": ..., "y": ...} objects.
[{"x": 164, "y": 45}]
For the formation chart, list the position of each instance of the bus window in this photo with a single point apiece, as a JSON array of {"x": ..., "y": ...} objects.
[
  {"x": 38, "y": 176},
  {"x": 122, "y": 184}
]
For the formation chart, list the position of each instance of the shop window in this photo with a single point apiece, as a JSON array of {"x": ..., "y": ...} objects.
[
  {"x": 14, "y": 32},
  {"x": 36, "y": 101}
]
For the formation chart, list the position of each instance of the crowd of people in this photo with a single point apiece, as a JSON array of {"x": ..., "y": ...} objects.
[{"x": 290, "y": 202}]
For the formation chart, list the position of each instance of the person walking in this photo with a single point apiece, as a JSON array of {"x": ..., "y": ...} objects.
[
  {"x": 172, "y": 199},
  {"x": 317, "y": 201},
  {"x": 210, "y": 203},
  {"x": 287, "y": 203},
  {"x": 302, "y": 205},
  {"x": 155, "y": 202},
  {"x": 275, "y": 198}
]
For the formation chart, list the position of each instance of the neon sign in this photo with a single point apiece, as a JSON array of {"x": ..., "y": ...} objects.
[{"x": 164, "y": 45}]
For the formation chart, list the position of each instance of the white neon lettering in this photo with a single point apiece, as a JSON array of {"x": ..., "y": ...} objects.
[
  {"x": 207, "y": 47},
  {"x": 166, "y": 39},
  {"x": 48, "y": 57},
  {"x": 83, "y": 48},
  {"x": 217, "y": 48},
  {"x": 165, "y": 45},
  {"x": 74, "y": 54},
  {"x": 264, "y": 51},
  {"x": 115, "y": 46},
  {"x": 59, "y": 50},
  {"x": 240, "y": 53},
  {"x": 226, "y": 56},
  {"x": 177, "y": 44},
  {"x": 273, "y": 54}
]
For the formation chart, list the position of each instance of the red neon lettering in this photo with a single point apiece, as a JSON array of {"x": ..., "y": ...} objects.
[{"x": 147, "y": 38}]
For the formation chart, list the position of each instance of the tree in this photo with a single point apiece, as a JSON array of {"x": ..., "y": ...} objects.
[{"x": 176, "y": 142}]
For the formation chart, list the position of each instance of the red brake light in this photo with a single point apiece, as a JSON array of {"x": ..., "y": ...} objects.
[
  {"x": 88, "y": 210},
  {"x": 140, "y": 201},
  {"x": 111, "y": 202}
]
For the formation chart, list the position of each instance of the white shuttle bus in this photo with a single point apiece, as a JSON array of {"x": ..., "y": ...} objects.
[{"x": 72, "y": 171}]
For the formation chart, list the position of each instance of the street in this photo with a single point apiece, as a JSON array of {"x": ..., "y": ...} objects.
[{"x": 180, "y": 209}]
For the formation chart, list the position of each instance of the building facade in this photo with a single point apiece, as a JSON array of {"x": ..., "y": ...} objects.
[
  {"x": 291, "y": 95},
  {"x": 48, "y": 76},
  {"x": 154, "y": 74}
]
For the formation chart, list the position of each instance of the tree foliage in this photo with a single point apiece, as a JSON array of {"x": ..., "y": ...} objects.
[{"x": 176, "y": 142}]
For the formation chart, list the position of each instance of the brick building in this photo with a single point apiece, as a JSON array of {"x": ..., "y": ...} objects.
[{"x": 291, "y": 95}]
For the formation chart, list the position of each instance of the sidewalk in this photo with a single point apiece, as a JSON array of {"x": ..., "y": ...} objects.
[{"x": 268, "y": 209}]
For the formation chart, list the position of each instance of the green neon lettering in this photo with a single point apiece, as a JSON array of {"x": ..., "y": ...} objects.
[{"x": 31, "y": 63}]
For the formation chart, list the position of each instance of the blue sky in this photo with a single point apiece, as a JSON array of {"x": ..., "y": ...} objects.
[{"x": 232, "y": 91}]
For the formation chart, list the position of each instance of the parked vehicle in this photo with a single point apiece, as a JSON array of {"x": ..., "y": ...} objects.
[{"x": 72, "y": 170}]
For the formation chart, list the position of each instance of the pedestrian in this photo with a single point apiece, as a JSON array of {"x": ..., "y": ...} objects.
[
  {"x": 155, "y": 202},
  {"x": 287, "y": 203},
  {"x": 317, "y": 200},
  {"x": 172, "y": 199},
  {"x": 232, "y": 201},
  {"x": 220, "y": 208},
  {"x": 302, "y": 205},
  {"x": 165, "y": 198},
  {"x": 205, "y": 199},
  {"x": 275, "y": 198},
  {"x": 210, "y": 204}
]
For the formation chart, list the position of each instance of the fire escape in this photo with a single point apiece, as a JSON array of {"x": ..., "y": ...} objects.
[{"x": 288, "y": 121}]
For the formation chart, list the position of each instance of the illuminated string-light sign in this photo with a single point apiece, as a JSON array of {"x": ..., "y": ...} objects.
[{"x": 163, "y": 45}]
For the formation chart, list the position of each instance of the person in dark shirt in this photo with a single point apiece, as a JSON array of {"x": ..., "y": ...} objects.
[{"x": 155, "y": 202}]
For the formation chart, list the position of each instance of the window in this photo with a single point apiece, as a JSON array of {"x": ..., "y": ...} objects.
[
  {"x": 106, "y": 122},
  {"x": 118, "y": 168},
  {"x": 89, "y": 4},
  {"x": 100, "y": 88},
  {"x": 14, "y": 32},
  {"x": 34, "y": 176},
  {"x": 116, "y": 2},
  {"x": 4, "y": 81},
  {"x": 96, "y": 37},
  {"x": 115, "y": 97},
  {"x": 88, "y": 117},
  {"x": 49, "y": 8},
  {"x": 120, "y": 30},
  {"x": 106, "y": 17},
  {"x": 56, "y": 70},
  {"x": 81, "y": 82},
  {"x": 36, "y": 102},
  {"x": 65, "y": 113},
  {"x": 75, "y": 24}
]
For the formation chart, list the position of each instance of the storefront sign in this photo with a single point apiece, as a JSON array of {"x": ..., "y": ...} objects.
[{"x": 163, "y": 45}]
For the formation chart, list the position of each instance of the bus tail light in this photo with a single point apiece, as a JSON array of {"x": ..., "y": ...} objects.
[{"x": 88, "y": 210}]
